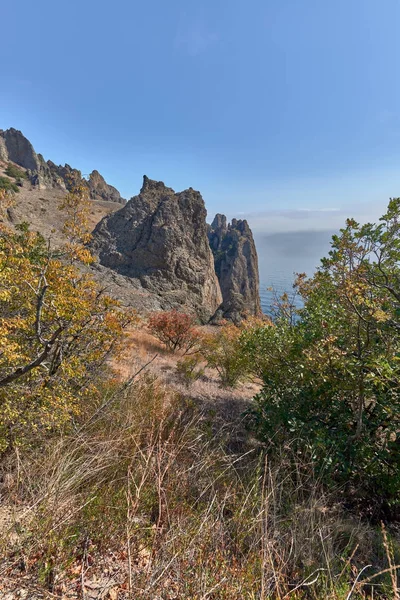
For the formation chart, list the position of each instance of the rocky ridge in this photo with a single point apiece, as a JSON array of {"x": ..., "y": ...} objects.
[
  {"x": 157, "y": 251},
  {"x": 15, "y": 147}
]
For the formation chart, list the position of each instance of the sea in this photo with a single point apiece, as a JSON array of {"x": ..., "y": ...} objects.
[{"x": 282, "y": 255}]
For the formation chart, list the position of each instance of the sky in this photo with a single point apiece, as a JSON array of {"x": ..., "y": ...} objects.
[{"x": 286, "y": 112}]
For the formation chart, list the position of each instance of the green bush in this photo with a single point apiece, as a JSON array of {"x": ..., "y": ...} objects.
[
  {"x": 15, "y": 172},
  {"x": 222, "y": 351},
  {"x": 331, "y": 379},
  {"x": 189, "y": 369},
  {"x": 8, "y": 186}
]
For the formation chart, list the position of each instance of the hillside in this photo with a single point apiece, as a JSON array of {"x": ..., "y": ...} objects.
[
  {"x": 39, "y": 208},
  {"x": 154, "y": 253}
]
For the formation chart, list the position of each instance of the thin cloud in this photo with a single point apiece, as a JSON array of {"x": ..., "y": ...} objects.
[
  {"x": 23, "y": 82},
  {"x": 291, "y": 220},
  {"x": 195, "y": 39}
]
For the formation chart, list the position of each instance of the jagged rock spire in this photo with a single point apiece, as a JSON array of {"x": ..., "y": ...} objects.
[
  {"x": 160, "y": 238},
  {"x": 236, "y": 265}
]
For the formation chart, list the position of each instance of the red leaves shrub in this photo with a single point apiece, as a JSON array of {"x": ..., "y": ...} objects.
[{"x": 174, "y": 329}]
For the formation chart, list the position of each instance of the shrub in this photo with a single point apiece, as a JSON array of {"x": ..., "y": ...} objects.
[
  {"x": 8, "y": 186},
  {"x": 332, "y": 378},
  {"x": 174, "y": 329},
  {"x": 15, "y": 172},
  {"x": 56, "y": 332},
  {"x": 189, "y": 369},
  {"x": 222, "y": 351}
]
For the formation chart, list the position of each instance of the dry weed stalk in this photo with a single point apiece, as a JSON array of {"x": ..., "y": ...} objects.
[{"x": 146, "y": 478}]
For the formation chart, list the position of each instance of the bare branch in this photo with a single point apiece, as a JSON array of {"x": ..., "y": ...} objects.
[
  {"x": 39, "y": 306},
  {"x": 21, "y": 371}
]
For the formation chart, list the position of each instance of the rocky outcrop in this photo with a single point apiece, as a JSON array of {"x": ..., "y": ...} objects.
[
  {"x": 157, "y": 249},
  {"x": 160, "y": 238},
  {"x": 65, "y": 176},
  {"x": 236, "y": 265},
  {"x": 16, "y": 148},
  {"x": 100, "y": 190}
]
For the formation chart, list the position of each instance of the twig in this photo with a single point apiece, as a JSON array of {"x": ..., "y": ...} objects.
[
  {"x": 306, "y": 582},
  {"x": 108, "y": 402},
  {"x": 356, "y": 581}
]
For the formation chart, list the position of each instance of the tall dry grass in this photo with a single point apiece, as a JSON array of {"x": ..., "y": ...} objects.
[{"x": 148, "y": 497}]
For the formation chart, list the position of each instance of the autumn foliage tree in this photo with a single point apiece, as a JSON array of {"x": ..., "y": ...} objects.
[
  {"x": 56, "y": 328},
  {"x": 76, "y": 208},
  {"x": 176, "y": 330}
]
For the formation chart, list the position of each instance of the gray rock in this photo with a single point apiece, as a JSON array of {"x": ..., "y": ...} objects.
[
  {"x": 100, "y": 190},
  {"x": 3, "y": 148},
  {"x": 236, "y": 265},
  {"x": 16, "y": 148},
  {"x": 160, "y": 238}
]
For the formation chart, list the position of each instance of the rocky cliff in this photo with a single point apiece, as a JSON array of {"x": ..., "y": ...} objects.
[
  {"x": 156, "y": 252},
  {"x": 236, "y": 265},
  {"x": 160, "y": 238},
  {"x": 16, "y": 148},
  {"x": 100, "y": 190}
]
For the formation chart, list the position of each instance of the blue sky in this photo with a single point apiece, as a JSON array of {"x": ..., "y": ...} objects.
[{"x": 286, "y": 111}]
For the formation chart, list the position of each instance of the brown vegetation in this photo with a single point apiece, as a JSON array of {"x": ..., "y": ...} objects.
[{"x": 145, "y": 501}]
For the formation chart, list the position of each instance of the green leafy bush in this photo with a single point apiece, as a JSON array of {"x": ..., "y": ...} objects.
[
  {"x": 15, "y": 172},
  {"x": 8, "y": 186},
  {"x": 189, "y": 369},
  {"x": 332, "y": 379},
  {"x": 222, "y": 350}
]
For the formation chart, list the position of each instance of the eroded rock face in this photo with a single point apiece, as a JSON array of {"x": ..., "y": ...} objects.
[
  {"x": 100, "y": 190},
  {"x": 15, "y": 147},
  {"x": 65, "y": 175},
  {"x": 160, "y": 238},
  {"x": 236, "y": 265}
]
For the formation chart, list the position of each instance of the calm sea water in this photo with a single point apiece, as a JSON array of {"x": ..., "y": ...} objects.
[{"x": 281, "y": 255}]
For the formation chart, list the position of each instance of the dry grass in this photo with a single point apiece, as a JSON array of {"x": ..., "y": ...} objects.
[
  {"x": 223, "y": 407},
  {"x": 161, "y": 494},
  {"x": 143, "y": 346},
  {"x": 148, "y": 501}
]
